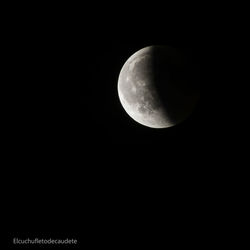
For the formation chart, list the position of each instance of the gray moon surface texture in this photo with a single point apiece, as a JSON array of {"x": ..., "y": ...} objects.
[{"x": 158, "y": 87}]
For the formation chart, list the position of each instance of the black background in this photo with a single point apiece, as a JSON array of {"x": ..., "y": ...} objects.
[{"x": 77, "y": 165}]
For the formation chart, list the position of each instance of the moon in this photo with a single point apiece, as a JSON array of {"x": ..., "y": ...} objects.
[{"x": 158, "y": 87}]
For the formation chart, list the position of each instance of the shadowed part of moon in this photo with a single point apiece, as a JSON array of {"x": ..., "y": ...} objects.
[{"x": 155, "y": 88}]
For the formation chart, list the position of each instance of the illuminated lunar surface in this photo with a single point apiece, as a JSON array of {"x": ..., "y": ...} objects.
[{"x": 141, "y": 95}]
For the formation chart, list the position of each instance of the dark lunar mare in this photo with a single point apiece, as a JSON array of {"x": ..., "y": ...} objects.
[{"x": 176, "y": 80}]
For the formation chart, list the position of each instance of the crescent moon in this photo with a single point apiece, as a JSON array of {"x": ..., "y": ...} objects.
[{"x": 150, "y": 90}]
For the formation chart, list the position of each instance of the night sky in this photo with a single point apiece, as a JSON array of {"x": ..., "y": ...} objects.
[{"x": 79, "y": 165}]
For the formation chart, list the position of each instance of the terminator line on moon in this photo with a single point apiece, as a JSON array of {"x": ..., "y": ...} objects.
[{"x": 151, "y": 91}]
